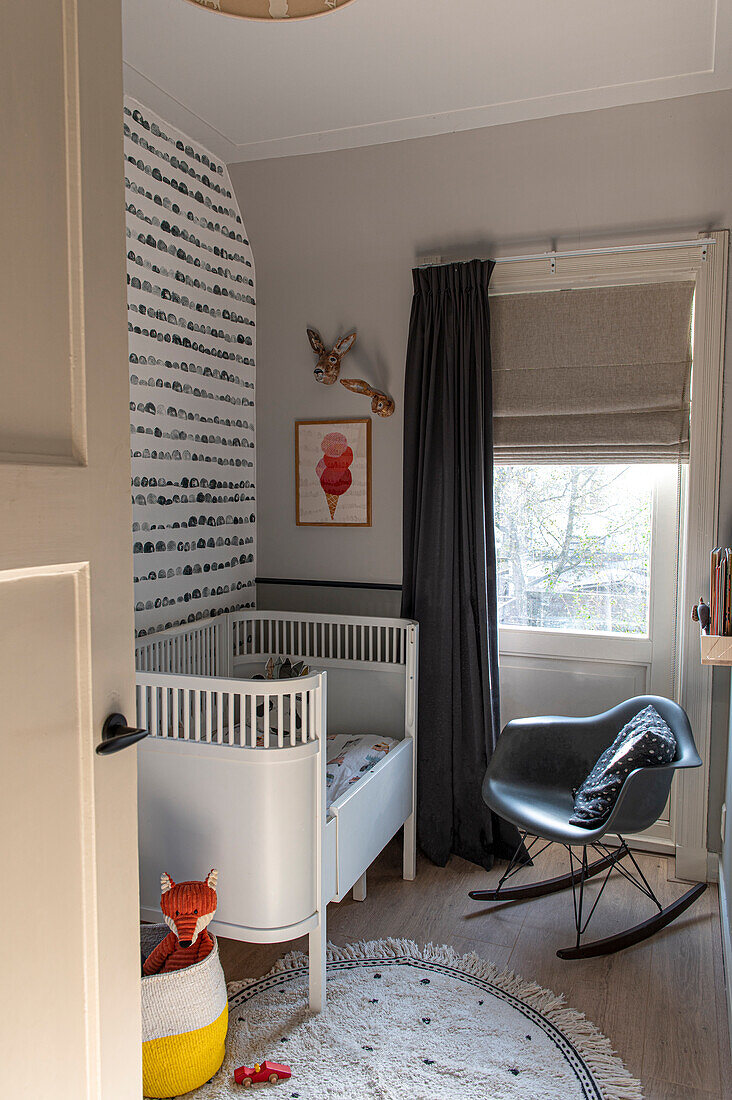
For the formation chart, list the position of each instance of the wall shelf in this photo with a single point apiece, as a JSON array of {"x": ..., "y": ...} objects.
[{"x": 716, "y": 649}]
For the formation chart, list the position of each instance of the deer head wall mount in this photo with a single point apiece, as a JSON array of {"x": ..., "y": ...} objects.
[
  {"x": 381, "y": 403},
  {"x": 328, "y": 365}
]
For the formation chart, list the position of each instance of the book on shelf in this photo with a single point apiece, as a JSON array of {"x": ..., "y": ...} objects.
[{"x": 720, "y": 601}]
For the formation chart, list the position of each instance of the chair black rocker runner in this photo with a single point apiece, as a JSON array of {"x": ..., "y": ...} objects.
[{"x": 535, "y": 767}]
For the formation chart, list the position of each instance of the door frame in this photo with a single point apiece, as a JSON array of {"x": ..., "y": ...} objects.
[
  {"x": 706, "y": 266},
  {"x": 66, "y": 560},
  {"x": 691, "y": 793}
]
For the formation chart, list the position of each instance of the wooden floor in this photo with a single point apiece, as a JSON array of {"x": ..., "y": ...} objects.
[{"x": 661, "y": 1003}]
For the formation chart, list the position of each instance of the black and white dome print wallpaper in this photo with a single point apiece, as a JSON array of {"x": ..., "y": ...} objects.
[{"x": 191, "y": 323}]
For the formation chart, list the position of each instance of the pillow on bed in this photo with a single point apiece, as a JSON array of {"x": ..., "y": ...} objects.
[
  {"x": 349, "y": 758},
  {"x": 644, "y": 741},
  {"x": 283, "y": 668}
]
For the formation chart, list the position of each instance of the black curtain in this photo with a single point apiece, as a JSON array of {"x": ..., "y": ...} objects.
[{"x": 449, "y": 581}]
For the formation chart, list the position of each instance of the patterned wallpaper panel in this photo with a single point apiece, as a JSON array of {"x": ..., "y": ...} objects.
[{"x": 191, "y": 322}]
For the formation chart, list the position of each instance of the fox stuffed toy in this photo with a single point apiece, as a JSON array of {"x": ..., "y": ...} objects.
[{"x": 188, "y": 907}]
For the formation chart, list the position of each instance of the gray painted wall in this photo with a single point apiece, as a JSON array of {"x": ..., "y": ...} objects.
[
  {"x": 329, "y": 600},
  {"x": 335, "y": 236}
]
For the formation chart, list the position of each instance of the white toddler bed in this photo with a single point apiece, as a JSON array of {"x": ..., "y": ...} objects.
[{"x": 233, "y": 774}]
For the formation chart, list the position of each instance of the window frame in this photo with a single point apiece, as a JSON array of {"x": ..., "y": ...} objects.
[
  {"x": 708, "y": 268},
  {"x": 661, "y": 505}
]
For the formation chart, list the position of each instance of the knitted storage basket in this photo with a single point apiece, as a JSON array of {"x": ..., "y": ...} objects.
[{"x": 184, "y": 1021}]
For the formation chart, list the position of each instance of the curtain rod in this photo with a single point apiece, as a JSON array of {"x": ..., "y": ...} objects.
[{"x": 698, "y": 242}]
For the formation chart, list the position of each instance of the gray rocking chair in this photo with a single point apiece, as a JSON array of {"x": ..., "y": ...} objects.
[{"x": 529, "y": 782}]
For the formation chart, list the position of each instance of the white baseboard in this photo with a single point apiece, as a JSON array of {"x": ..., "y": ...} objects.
[
  {"x": 655, "y": 845},
  {"x": 150, "y": 915},
  {"x": 724, "y": 920},
  {"x": 713, "y": 865},
  {"x": 692, "y": 864},
  {"x": 641, "y": 843}
]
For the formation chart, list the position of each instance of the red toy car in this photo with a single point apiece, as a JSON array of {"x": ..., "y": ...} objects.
[{"x": 268, "y": 1071}]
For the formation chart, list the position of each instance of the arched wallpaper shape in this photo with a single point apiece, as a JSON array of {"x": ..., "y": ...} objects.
[{"x": 191, "y": 322}]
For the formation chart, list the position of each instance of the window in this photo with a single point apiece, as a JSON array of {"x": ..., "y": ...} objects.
[{"x": 573, "y": 546}]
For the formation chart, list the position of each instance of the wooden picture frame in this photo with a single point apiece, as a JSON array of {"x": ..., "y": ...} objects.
[{"x": 327, "y": 479}]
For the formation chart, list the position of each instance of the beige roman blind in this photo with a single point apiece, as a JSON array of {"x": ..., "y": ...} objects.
[{"x": 592, "y": 375}]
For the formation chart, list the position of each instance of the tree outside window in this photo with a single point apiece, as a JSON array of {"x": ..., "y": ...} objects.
[{"x": 573, "y": 546}]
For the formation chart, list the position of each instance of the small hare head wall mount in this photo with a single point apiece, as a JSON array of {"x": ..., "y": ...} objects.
[
  {"x": 381, "y": 403},
  {"x": 328, "y": 365}
]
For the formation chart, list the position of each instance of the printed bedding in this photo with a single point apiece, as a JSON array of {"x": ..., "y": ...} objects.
[{"x": 350, "y": 757}]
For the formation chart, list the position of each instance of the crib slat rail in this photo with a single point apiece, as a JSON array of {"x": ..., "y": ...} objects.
[
  {"x": 206, "y": 705},
  {"x": 319, "y": 637},
  {"x": 192, "y": 648},
  {"x": 250, "y": 713}
]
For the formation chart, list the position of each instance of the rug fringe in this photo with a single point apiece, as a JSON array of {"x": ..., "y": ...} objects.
[{"x": 595, "y": 1049}]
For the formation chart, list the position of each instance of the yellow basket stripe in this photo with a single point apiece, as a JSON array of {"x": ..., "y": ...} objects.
[{"x": 176, "y": 1064}]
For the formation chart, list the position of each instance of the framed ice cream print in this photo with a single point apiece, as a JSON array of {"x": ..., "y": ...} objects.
[{"x": 333, "y": 473}]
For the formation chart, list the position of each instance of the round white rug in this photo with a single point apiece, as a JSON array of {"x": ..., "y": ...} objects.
[{"x": 418, "y": 1023}]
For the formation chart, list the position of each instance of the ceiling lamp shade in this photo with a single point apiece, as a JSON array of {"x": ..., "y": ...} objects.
[{"x": 272, "y": 9}]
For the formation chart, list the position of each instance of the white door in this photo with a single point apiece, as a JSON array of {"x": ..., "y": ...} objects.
[{"x": 70, "y": 984}]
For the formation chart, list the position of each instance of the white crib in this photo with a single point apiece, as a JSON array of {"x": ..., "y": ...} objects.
[{"x": 221, "y": 786}]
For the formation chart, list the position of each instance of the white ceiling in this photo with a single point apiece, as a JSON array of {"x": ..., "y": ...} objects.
[{"x": 384, "y": 70}]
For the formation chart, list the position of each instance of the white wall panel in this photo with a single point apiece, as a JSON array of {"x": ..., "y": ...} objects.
[{"x": 576, "y": 687}]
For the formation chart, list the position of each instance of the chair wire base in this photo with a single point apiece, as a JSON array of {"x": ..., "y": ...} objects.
[{"x": 580, "y": 871}]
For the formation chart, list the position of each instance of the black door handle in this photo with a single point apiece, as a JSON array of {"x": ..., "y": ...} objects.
[{"x": 116, "y": 735}]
